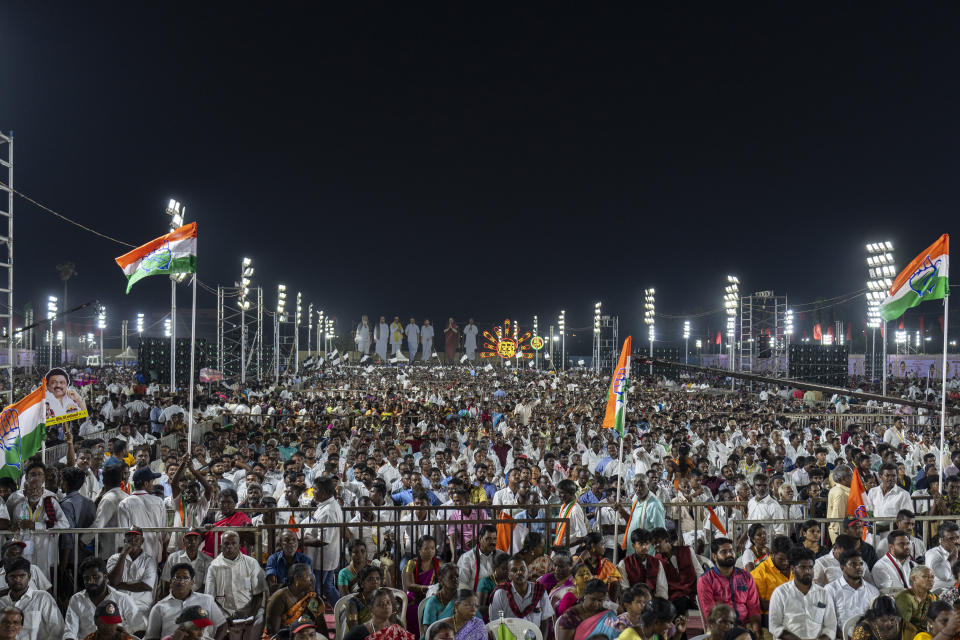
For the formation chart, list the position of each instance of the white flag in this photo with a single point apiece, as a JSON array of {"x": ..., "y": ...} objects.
[
  {"x": 364, "y": 358},
  {"x": 463, "y": 359},
  {"x": 489, "y": 367}
]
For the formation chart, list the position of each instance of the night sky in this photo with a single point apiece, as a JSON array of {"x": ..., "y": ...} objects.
[{"x": 449, "y": 160}]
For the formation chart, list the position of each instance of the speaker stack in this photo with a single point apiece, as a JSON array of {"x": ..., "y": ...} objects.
[
  {"x": 154, "y": 357},
  {"x": 670, "y": 354},
  {"x": 43, "y": 356},
  {"x": 818, "y": 363}
]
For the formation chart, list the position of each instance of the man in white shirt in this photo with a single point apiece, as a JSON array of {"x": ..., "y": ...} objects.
[
  {"x": 799, "y": 607},
  {"x": 827, "y": 567},
  {"x": 905, "y": 522},
  {"x": 41, "y": 616},
  {"x": 851, "y": 593},
  {"x": 887, "y": 500},
  {"x": 470, "y": 333},
  {"x": 762, "y": 506},
  {"x": 163, "y": 616},
  {"x": 237, "y": 582},
  {"x": 133, "y": 572},
  {"x": 79, "y": 620},
  {"x": 894, "y": 435},
  {"x": 413, "y": 337},
  {"x": 893, "y": 569},
  {"x": 477, "y": 563},
  {"x": 144, "y": 509},
  {"x": 529, "y": 598},
  {"x": 191, "y": 554},
  {"x": 940, "y": 559},
  {"x": 323, "y": 545}
]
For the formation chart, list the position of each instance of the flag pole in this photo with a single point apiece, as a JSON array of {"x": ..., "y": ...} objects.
[
  {"x": 883, "y": 334},
  {"x": 943, "y": 389},
  {"x": 193, "y": 356},
  {"x": 623, "y": 436}
]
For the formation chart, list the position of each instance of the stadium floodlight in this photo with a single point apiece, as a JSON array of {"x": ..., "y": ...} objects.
[
  {"x": 562, "y": 321},
  {"x": 881, "y": 270},
  {"x": 649, "y": 317},
  {"x": 140, "y": 323},
  {"x": 731, "y": 300},
  {"x": 166, "y": 327}
]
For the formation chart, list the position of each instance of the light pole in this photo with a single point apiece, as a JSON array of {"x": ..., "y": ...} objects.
[
  {"x": 788, "y": 336},
  {"x": 331, "y": 331},
  {"x": 562, "y": 321},
  {"x": 321, "y": 345},
  {"x": 102, "y": 324},
  {"x": 686, "y": 342},
  {"x": 881, "y": 269},
  {"x": 296, "y": 335},
  {"x": 596, "y": 337},
  {"x": 246, "y": 272},
  {"x": 277, "y": 319},
  {"x": 536, "y": 353},
  {"x": 310, "y": 331},
  {"x": 731, "y": 299},
  {"x": 177, "y": 212},
  {"x": 51, "y": 316},
  {"x": 649, "y": 313}
]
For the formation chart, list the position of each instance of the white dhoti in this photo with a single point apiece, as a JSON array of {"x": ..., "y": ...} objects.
[
  {"x": 427, "y": 349},
  {"x": 394, "y": 348},
  {"x": 382, "y": 349},
  {"x": 363, "y": 345},
  {"x": 412, "y": 345}
]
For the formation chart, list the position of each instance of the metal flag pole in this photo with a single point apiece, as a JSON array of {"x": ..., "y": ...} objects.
[
  {"x": 883, "y": 334},
  {"x": 623, "y": 436},
  {"x": 943, "y": 389},
  {"x": 193, "y": 355}
]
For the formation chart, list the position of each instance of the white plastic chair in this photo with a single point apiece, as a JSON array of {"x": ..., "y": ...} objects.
[
  {"x": 848, "y": 626},
  {"x": 402, "y": 595},
  {"x": 420, "y": 608},
  {"x": 340, "y": 617},
  {"x": 517, "y": 626}
]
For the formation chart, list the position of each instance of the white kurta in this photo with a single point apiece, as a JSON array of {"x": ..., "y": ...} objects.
[
  {"x": 413, "y": 338},
  {"x": 426, "y": 339},
  {"x": 143, "y": 569},
  {"x": 363, "y": 338},
  {"x": 41, "y": 616},
  {"x": 144, "y": 510},
  {"x": 470, "y": 333},
  {"x": 382, "y": 335}
]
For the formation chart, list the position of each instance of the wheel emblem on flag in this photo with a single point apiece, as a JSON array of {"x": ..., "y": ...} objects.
[
  {"x": 10, "y": 434},
  {"x": 157, "y": 260},
  {"x": 925, "y": 278}
]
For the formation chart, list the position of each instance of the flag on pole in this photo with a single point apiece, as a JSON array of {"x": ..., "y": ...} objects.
[
  {"x": 175, "y": 252},
  {"x": 22, "y": 430},
  {"x": 617, "y": 396},
  {"x": 925, "y": 278},
  {"x": 817, "y": 332},
  {"x": 856, "y": 502}
]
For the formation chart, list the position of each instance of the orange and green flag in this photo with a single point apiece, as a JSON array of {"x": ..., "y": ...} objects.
[
  {"x": 856, "y": 502},
  {"x": 616, "y": 413},
  {"x": 927, "y": 277}
]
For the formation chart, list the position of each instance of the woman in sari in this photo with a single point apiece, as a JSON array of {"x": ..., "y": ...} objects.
[
  {"x": 229, "y": 518},
  {"x": 440, "y": 605},
  {"x": 296, "y": 601},
  {"x": 358, "y": 607},
  {"x": 592, "y": 556},
  {"x": 347, "y": 577},
  {"x": 467, "y": 625},
  {"x": 589, "y": 617},
  {"x": 383, "y": 623},
  {"x": 488, "y": 584},
  {"x": 538, "y": 563},
  {"x": 567, "y": 598},
  {"x": 560, "y": 580},
  {"x": 914, "y": 603},
  {"x": 656, "y": 623},
  {"x": 943, "y": 623},
  {"x": 421, "y": 571},
  {"x": 882, "y": 621},
  {"x": 757, "y": 551}
]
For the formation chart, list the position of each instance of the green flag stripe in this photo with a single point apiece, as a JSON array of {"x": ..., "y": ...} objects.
[
  {"x": 896, "y": 308},
  {"x": 185, "y": 264},
  {"x": 29, "y": 445}
]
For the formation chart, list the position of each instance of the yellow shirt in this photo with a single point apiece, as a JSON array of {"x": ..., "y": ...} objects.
[
  {"x": 837, "y": 507},
  {"x": 768, "y": 578}
]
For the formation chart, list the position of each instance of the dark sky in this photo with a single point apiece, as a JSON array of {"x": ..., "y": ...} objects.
[{"x": 450, "y": 160}]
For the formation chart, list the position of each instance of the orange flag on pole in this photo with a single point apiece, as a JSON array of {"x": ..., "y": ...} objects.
[
  {"x": 856, "y": 502},
  {"x": 616, "y": 414}
]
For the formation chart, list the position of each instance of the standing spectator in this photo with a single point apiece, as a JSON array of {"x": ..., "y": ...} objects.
[
  {"x": 80, "y": 511},
  {"x": 325, "y": 541},
  {"x": 837, "y": 498},
  {"x": 451, "y": 339},
  {"x": 763, "y": 506},
  {"x": 413, "y": 338},
  {"x": 396, "y": 336},
  {"x": 470, "y": 333},
  {"x": 381, "y": 336},
  {"x": 237, "y": 583},
  {"x": 144, "y": 509},
  {"x": 426, "y": 340}
]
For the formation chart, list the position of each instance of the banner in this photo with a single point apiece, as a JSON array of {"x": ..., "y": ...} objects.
[{"x": 63, "y": 401}]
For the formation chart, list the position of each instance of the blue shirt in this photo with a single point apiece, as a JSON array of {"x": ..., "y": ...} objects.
[
  {"x": 277, "y": 565},
  {"x": 405, "y": 497}
]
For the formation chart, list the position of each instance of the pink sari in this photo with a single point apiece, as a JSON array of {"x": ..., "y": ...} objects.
[{"x": 211, "y": 545}]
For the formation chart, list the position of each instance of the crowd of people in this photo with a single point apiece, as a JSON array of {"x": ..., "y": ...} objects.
[{"x": 427, "y": 502}]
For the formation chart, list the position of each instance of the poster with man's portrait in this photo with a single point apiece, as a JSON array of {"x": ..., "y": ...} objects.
[{"x": 63, "y": 400}]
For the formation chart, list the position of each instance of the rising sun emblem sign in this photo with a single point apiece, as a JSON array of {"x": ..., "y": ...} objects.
[{"x": 501, "y": 344}]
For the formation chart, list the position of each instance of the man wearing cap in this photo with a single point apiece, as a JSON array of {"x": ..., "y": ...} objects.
[
  {"x": 41, "y": 615},
  {"x": 172, "y": 610},
  {"x": 303, "y": 631},
  {"x": 133, "y": 571},
  {"x": 107, "y": 619},
  {"x": 193, "y": 624},
  {"x": 146, "y": 510},
  {"x": 192, "y": 555},
  {"x": 83, "y": 606},
  {"x": 14, "y": 549}
]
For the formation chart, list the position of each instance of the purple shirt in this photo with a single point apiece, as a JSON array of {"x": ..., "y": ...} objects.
[{"x": 464, "y": 533}]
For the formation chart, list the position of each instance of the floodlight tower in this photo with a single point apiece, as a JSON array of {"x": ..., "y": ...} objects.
[
  {"x": 686, "y": 341},
  {"x": 246, "y": 272},
  {"x": 140, "y": 324},
  {"x": 881, "y": 269},
  {"x": 279, "y": 317},
  {"x": 51, "y": 316},
  {"x": 296, "y": 334},
  {"x": 731, "y": 300},
  {"x": 536, "y": 353},
  {"x": 649, "y": 313},
  {"x": 102, "y": 324},
  {"x": 788, "y": 335},
  {"x": 166, "y": 327},
  {"x": 177, "y": 213},
  {"x": 596, "y": 337},
  {"x": 310, "y": 331},
  {"x": 562, "y": 321},
  {"x": 321, "y": 344}
]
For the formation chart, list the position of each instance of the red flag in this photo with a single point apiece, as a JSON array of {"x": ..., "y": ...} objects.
[
  {"x": 901, "y": 324},
  {"x": 856, "y": 505},
  {"x": 817, "y": 333},
  {"x": 718, "y": 337}
]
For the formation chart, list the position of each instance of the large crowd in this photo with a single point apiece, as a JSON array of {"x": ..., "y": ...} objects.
[{"x": 462, "y": 502}]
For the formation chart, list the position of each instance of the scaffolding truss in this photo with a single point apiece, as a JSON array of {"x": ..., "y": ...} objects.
[
  {"x": 606, "y": 343},
  {"x": 762, "y": 341},
  {"x": 6, "y": 269},
  {"x": 240, "y": 348}
]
